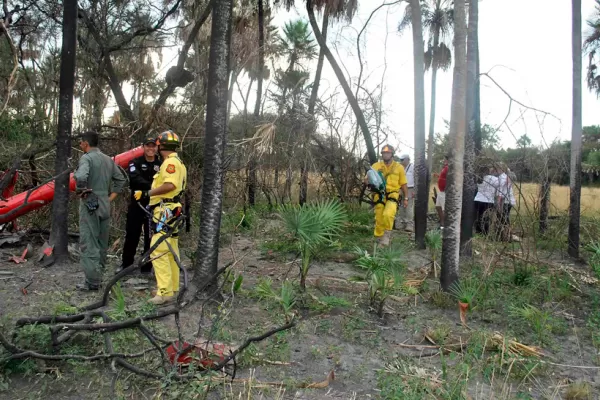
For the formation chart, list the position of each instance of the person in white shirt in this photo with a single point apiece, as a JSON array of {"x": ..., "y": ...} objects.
[
  {"x": 484, "y": 202},
  {"x": 505, "y": 200},
  {"x": 405, "y": 216}
]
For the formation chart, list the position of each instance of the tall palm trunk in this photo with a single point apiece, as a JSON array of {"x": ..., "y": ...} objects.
[
  {"x": 312, "y": 102},
  {"x": 431, "y": 138},
  {"x": 454, "y": 183},
  {"x": 214, "y": 145},
  {"x": 420, "y": 167},
  {"x": 360, "y": 117},
  {"x": 575, "y": 184},
  {"x": 259, "y": 89},
  {"x": 470, "y": 182},
  {"x": 60, "y": 206}
]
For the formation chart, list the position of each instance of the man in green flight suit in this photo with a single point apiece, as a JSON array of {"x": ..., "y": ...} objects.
[{"x": 98, "y": 180}]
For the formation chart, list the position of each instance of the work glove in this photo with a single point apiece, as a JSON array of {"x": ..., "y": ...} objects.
[{"x": 140, "y": 195}]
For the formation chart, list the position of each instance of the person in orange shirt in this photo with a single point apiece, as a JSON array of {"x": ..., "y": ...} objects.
[{"x": 387, "y": 203}]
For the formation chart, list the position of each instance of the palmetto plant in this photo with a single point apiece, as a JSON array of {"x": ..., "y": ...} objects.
[
  {"x": 594, "y": 249},
  {"x": 433, "y": 242},
  {"x": 383, "y": 274},
  {"x": 464, "y": 291},
  {"x": 285, "y": 298},
  {"x": 312, "y": 226}
]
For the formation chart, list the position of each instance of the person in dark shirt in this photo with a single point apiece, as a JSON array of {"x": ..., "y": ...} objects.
[{"x": 141, "y": 172}]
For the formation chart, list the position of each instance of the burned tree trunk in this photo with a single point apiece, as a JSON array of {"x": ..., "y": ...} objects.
[
  {"x": 214, "y": 147},
  {"x": 60, "y": 206},
  {"x": 421, "y": 187},
  {"x": 575, "y": 184}
]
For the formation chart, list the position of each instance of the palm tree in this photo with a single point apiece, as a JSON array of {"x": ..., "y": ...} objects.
[
  {"x": 454, "y": 185},
  {"x": 473, "y": 139},
  {"x": 591, "y": 47},
  {"x": 214, "y": 147},
  {"x": 421, "y": 179},
  {"x": 575, "y": 184},
  {"x": 312, "y": 102},
  {"x": 60, "y": 205},
  {"x": 437, "y": 19},
  {"x": 337, "y": 9},
  {"x": 297, "y": 45}
]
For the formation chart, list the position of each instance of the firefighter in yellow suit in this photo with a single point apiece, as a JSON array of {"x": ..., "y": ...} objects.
[
  {"x": 385, "y": 208},
  {"x": 165, "y": 204}
]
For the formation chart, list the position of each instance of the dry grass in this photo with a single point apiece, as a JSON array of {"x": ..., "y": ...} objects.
[
  {"x": 590, "y": 198},
  {"x": 559, "y": 198}
]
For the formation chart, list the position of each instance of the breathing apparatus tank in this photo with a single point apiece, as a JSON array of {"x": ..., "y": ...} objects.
[{"x": 376, "y": 180}]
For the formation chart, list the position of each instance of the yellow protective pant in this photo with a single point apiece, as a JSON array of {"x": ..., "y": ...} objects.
[
  {"x": 165, "y": 267},
  {"x": 384, "y": 217}
]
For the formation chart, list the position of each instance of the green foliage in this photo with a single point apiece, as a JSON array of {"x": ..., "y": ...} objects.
[
  {"x": 433, "y": 242},
  {"x": 383, "y": 273},
  {"x": 313, "y": 225},
  {"x": 25, "y": 366},
  {"x": 237, "y": 283},
  {"x": 297, "y": 42},
  {"x": 62, "y": 308},
  {"x": 35, "y": 337},
  {"x": 523, "y": 275},
  {"x": 465, "y": 290},
  {"x": 120, "y": 308},
  {"x": 594, "y": 249},
  {"x": 285, "y": 297},
  {"x": 333, "y": 301},
  {"x": 538, "y": 320},
  {"x": 15, "y": 129}
]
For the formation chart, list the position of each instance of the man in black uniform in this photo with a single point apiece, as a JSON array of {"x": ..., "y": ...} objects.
[{"x": 141, "y": 172}]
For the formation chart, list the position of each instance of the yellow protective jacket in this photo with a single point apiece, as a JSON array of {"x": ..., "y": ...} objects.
[{"x": 394, "y": 176}]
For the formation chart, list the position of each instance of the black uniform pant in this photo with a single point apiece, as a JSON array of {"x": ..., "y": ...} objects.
[
  {"x": 483, "y": 219},
  {"x": 137, "y": 220}
]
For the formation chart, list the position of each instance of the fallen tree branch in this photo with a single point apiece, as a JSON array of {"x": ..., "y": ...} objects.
[
  {"x": 18, "y": 353},
  {"x": 115, "y": 326}
]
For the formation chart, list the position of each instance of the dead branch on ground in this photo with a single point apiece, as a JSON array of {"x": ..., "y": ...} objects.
[{"x": 63, "y": 327}]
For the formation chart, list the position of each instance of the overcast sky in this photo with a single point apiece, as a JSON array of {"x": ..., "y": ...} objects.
[{"x": 525, "y": 44}]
